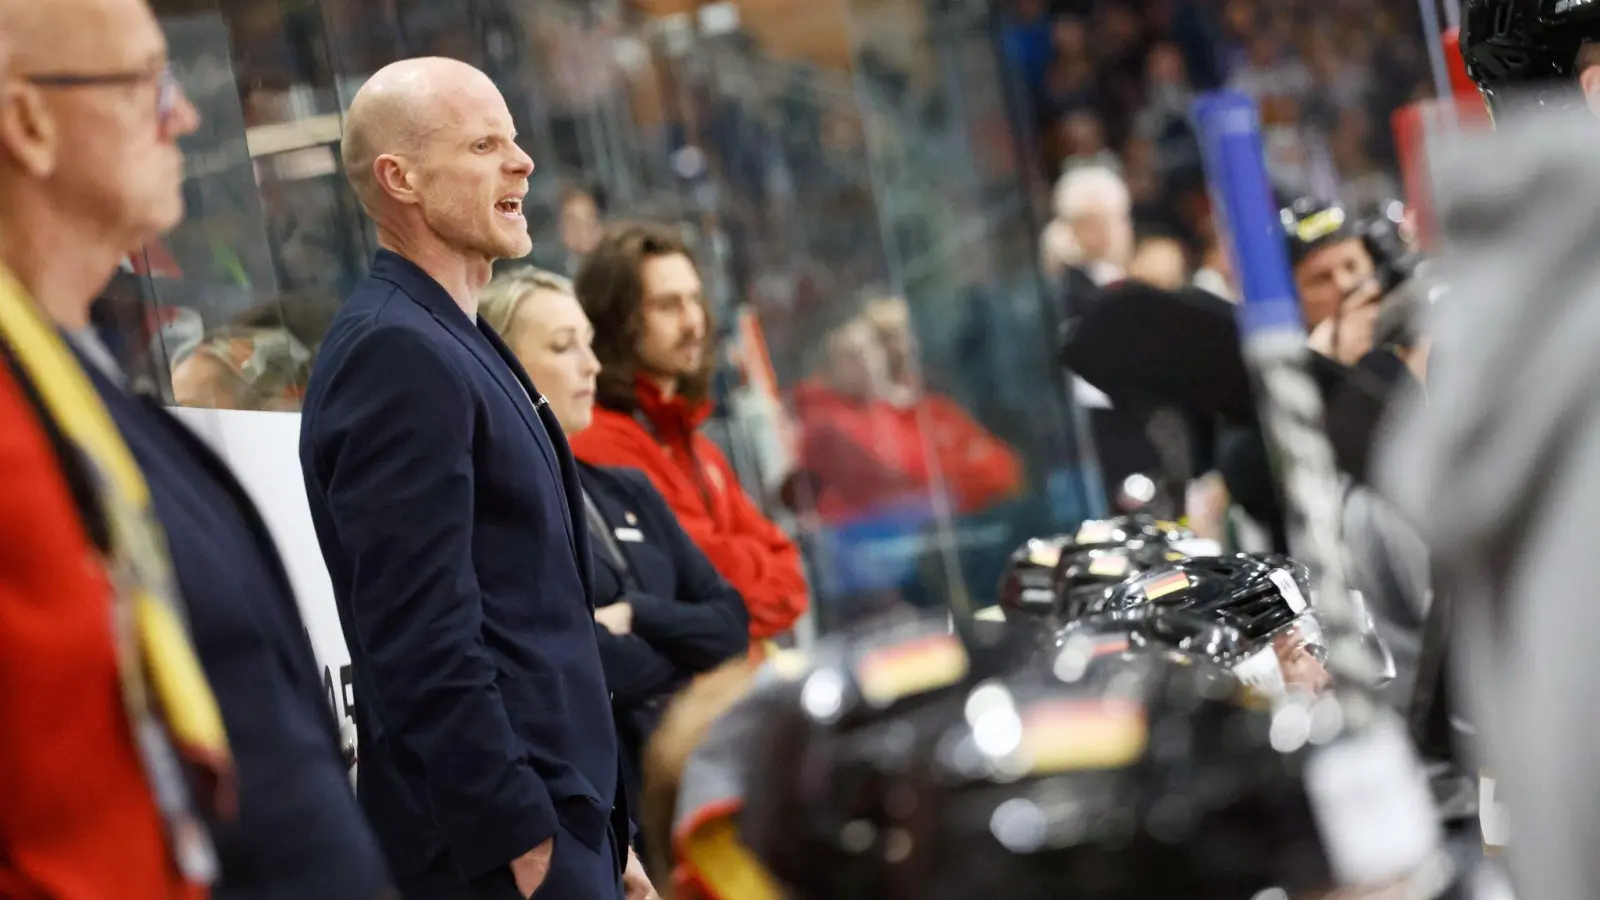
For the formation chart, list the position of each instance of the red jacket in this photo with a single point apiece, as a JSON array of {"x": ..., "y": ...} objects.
[
  {"x": 756, "y": 557},
  {"x": 865, "y": 455},
  {"x": 77, "y": 821},
  {"x": 859, "y": 453},
  {"x": 979, "y": 469}
]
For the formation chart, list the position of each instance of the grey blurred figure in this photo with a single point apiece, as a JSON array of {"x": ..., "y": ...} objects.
[{"x": 1500, "y": 471}]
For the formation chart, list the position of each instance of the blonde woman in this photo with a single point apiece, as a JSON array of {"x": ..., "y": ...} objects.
[{"x": 666, "y": 614}]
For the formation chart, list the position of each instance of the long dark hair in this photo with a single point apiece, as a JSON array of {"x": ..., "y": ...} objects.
[{"x": 611, "y": 290}]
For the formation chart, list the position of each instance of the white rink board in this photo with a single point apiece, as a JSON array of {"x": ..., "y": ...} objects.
[{"x": 262, "y": 448}]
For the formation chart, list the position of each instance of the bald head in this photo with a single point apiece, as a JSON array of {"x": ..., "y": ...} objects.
[
  {"x": 431, "y": 150},
  {"x": 398, "y": 111},
  {"x": 78, "y": 35}
]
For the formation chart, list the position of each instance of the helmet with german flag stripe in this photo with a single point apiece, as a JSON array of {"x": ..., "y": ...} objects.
[
  {"x": 1083, "y": 578},
  {"x": 1052, "y": 579},
  {"x": 821, "y": 765},
  {"x": 1255, "y": 593},
  {"x": 1141, "y": 778},
  {"x": 1250, "y": 612}
]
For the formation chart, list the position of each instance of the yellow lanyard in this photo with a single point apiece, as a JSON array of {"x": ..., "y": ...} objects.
[{"x": 154, "y": 652}]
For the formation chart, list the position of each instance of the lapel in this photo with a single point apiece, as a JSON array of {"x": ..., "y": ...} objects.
[
  {"x": 571, "y": 489},
  {"x": 497, "y": 359},
  {"x": 420, "y": 287}
]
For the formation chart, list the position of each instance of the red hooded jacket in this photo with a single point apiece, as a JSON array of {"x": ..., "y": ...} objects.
[{"x": 662, "y": 440}]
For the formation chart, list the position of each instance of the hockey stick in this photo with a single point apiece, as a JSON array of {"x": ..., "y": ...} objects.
[{"x": 1274, "y": 347}]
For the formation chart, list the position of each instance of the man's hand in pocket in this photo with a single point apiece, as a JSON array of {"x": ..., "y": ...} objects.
[
  {"x": 635, "y": 883},
  {"x": 530, "y": 869}
]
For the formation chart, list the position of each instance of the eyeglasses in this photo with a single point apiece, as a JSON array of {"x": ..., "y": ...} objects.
[{"x": 167, "y": 87}]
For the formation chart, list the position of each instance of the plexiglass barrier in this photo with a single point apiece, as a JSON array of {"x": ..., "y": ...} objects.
[{"x": 867, "y": 187}]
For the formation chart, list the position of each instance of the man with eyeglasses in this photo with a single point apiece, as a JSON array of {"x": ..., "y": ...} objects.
[
  {"x": 90, "y": 169},
  {"x": 79, "y": 820},
  {"x": 126, "y": 112}
]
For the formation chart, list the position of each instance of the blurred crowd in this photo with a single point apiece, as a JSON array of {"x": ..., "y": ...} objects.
[{"x": 1109, "y": 85}]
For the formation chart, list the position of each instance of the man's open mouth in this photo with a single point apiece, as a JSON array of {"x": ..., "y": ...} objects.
[{"x": 509, "y": 206}]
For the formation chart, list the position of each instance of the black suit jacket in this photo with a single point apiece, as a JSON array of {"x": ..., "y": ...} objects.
[
  {"x": 686, "y": 618},
  {"x": 448, "y": 510}
]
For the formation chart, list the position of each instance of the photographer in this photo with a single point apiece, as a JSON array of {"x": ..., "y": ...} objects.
[
  {"x": 1344, "y": 271},
  {"x": 1337, "y": 277}
]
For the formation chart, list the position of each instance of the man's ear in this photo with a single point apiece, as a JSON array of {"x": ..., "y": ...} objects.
[
  {"x": 395, "y": 178},
  {"x": 28, "y": 132},
  {"x": 1589, "y": 80}
]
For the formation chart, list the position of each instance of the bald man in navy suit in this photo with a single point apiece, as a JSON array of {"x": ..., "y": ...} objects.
[{"x": 448, "y": 509}]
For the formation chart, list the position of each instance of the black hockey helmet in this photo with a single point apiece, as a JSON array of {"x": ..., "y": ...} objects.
[
  {"x": 837, "y": 739},
  {"x": 1144, "y": 778},
  {"x": 1251, "y": 613},
  {"x": 1053, "y": 578},
  {"x": 1083, "y": 578},
  {"x": 1255, "y": 593},
  {"x": 1527, "y": 47}
]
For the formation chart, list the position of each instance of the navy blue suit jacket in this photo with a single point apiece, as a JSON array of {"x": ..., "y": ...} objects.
[
  {"x": 448, "y": 509},
  {"x": 687, "y": 619},
  {"x": 298, "y": 834}
]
